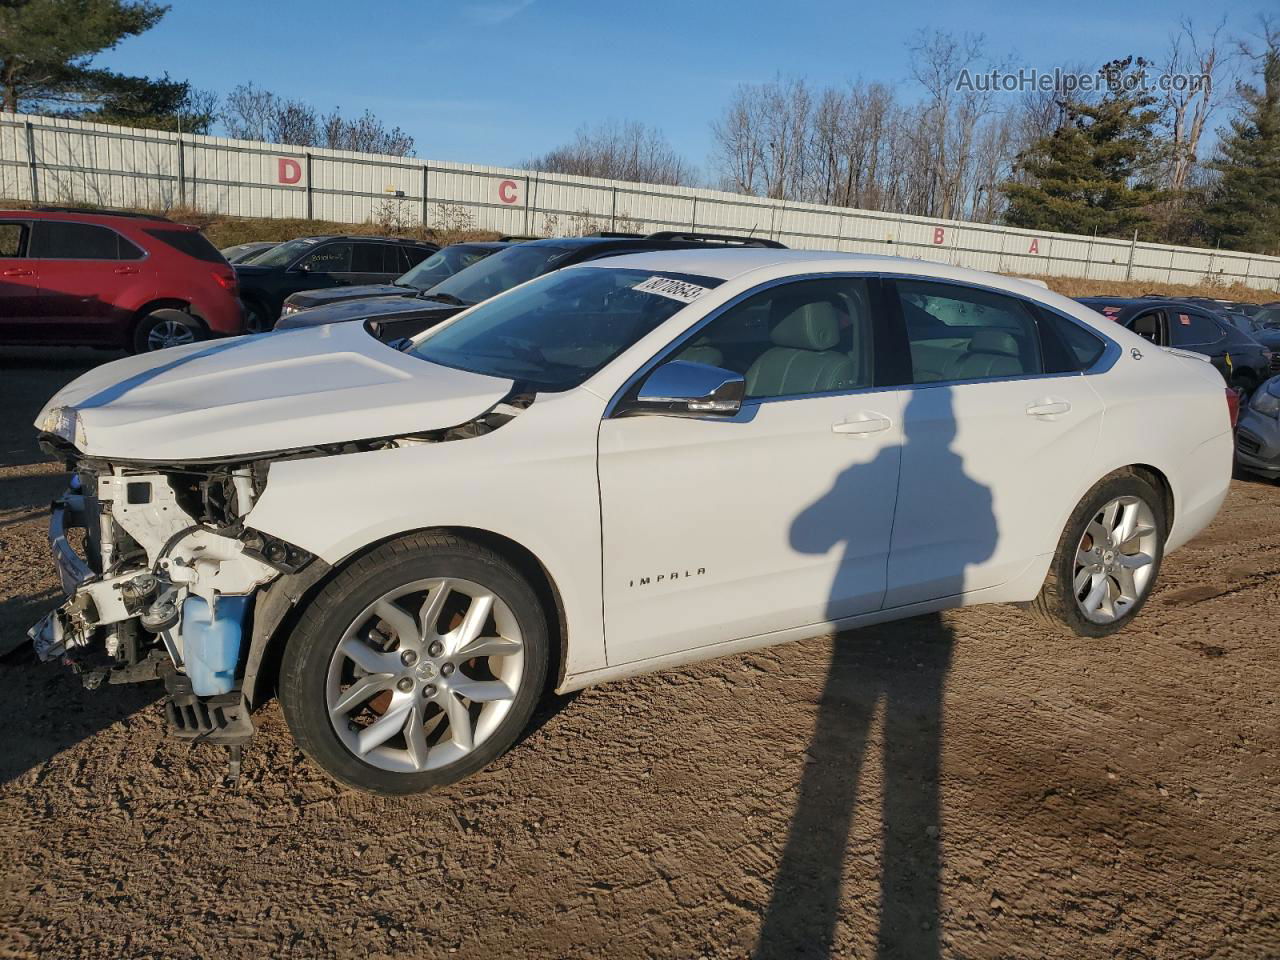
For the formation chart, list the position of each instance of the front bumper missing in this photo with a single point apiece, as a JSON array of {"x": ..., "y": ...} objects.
[{"x": 58, "y": 629}]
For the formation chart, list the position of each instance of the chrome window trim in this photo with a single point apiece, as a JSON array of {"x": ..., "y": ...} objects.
[{"x": 1111, "y": 352}]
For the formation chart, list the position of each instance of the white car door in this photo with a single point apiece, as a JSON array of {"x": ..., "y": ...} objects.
[
  {"x": 776, "y": 517},
  {"x": 996, "y": 443}
]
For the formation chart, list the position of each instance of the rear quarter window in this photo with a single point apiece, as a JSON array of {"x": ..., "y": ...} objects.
[
  {"x": 1076, "y": 348},
  {"x": 193, "y": 243}
]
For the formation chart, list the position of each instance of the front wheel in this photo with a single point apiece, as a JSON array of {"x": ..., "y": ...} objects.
[
  {"x": 1107, "y": 559},
  {"x": 417, "y": 665}
]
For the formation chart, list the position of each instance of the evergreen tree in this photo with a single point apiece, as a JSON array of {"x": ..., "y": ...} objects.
[
  {"x": 1094, "y": 171},
  {"x": 1243, "y": 210},
  {"x": 46, "y": 47}
]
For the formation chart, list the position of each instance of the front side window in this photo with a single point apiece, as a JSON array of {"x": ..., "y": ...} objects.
[
  {"x": 964, "y": 333},
  {"x": 558, "y": 330},
  {"x": 1193, "y": 329},
  {"x": 795, "y": 339},
  {"x": 331, "y": 258},
  {"x": 58, "y": 240},
  {"x": 13, "y": 239}
]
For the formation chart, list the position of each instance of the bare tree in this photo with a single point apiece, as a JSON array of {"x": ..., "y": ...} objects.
[
  {"x": 618, "y": 151},
  {"x": 252, "y": 113},
  {"x": 1188, "y": 107},
  {"x": 248, "y": 113}
]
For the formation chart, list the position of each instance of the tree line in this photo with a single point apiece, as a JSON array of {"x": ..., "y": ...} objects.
[{"x": 1127, "y": 154}]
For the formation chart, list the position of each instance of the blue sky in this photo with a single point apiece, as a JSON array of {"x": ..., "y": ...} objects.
[{"x": 497, "y": 81}]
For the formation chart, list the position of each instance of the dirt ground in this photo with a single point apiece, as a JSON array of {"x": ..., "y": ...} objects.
[{"x": 961, "y": 786}]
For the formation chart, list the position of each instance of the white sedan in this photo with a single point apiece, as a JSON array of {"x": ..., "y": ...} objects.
[{"x": 616, "y": 468}]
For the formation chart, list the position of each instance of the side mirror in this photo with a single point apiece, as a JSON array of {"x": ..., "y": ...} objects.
[
  {"x": 685, "y": 389},
  {"x": 400, "y": 343}
]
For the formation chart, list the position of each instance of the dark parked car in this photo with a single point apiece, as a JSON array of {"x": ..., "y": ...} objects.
[
  {"x": 1258, "y": 432},
  {"x": 88, "y": 277},
  {"x": 244, "y": 252},
  {"x": 1243, "y": 361},
  {"x": 309, "y": 263},
  {"x": 391, "y": 318},
  {"x": 440, "y": 266}
]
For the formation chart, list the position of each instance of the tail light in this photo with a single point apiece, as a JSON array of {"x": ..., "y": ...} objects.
[
  {"x": 1233, "y": 405},
  {"x": 227, "y": 281}
]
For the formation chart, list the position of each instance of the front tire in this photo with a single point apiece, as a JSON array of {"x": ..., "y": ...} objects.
[
  {"x": 419, "y": 664},
  {"x": 1107, "y": 560}
]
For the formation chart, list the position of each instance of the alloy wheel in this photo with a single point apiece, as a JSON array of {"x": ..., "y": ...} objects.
[
  {"x": 1115, "y": 559},
  {"x": 169, "y": 333},
  {"x": 425, "y": 674}
]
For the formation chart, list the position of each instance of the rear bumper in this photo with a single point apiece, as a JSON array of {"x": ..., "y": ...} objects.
[
  {"x": 223, "y": 314},
  {"x": 1201, "y": 487}
]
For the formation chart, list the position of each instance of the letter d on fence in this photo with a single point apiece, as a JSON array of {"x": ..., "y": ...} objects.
[{"x": 289, "y": 171}]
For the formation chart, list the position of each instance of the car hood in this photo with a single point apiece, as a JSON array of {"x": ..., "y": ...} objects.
[
  {"x": 315, "y": 298},
  {"x": 253, "y": 395},
  {"x": 368, "y": 308}
]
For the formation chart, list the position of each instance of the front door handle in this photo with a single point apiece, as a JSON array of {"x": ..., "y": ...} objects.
[
  {"x": 18, "y": 272},
  {"x": 1048, "y": 408},
  {"x": 124, "y": 271},
  {"x": 863, "y": 424}
]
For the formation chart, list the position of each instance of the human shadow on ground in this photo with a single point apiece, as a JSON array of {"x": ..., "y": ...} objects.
[{"x": 900, "y": 669}]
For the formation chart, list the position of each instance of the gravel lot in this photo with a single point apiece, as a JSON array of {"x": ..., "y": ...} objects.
[{"x": 961, "y": 786}]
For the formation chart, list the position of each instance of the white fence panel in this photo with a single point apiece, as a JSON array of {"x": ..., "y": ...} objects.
[{"x": 48, "y": 160}]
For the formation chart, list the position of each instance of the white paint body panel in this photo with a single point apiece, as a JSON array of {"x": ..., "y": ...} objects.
[
  {"x": 791, "y": 522},
  {"x": 278, "y": 391}
]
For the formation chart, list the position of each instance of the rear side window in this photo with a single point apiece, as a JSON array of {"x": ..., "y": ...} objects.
[
  {"x": 1192, "y": 329},
  {"x": 193, "y": 243},
  {"x": 13, "y": 239},
  {"x": 376, "y": 258},
  {"x": 1068, "y": 346},
  {"x": 59, "y": 240},
  {"x": 964, "y": 333}
]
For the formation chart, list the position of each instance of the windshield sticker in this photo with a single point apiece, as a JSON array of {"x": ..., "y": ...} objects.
[
  {"x": 673, "y": 289},
  {"x": 1184, "y": 320}
]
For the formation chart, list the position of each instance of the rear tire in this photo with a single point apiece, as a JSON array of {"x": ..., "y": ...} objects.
[
  {"x": 256, "y": 318},
  {"x": 394, "y": 687},
  {"x": 165, "y": 328},
  {"x": 1100, "y": 578}
]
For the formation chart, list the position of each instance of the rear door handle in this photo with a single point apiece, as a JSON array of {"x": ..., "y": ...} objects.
[
  {"x": 122, "y": 271},
  {"x": 1050, "y": 407},
  {"x": 863, "y": 424},
  {"x": 18, "y": 272}
]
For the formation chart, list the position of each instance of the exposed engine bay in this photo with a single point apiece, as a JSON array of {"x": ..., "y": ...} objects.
[{"x": 165, "y": 579}]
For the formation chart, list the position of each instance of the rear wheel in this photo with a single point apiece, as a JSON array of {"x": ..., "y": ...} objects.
[
  {"x": 1107, "y": 559},
  {"x": 418, "y": 665},
  {"x": 256, "y": 318},
  {"x": 160, "y": 329}
]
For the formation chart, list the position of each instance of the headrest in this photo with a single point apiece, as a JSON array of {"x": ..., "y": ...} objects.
[
  {"x": 993, "y": 341},
  {"x": 807, "y": 326}
]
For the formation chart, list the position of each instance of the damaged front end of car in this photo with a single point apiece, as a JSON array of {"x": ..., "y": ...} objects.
[
  {"x": 162, "y": 576},
  {"x": 165, "y": 578}
]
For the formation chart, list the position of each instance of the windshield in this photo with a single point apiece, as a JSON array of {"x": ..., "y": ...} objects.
[
  {"x": 560, "y": 329},
  {"x": 494, "y": 275},
  {"x": 442, "y": 265},
  {"x": 285, "y": 253}
]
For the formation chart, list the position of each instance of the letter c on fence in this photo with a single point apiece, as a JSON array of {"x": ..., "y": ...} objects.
[
  {"x": 507, "y": 191},
  {"x": 939, "y": 235},
  {"x": 289, "y": 171}
]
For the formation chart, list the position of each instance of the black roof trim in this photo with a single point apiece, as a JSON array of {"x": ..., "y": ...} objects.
[
  {"x": 726, "y": 238},
  {"x": 90, "y": 211}
]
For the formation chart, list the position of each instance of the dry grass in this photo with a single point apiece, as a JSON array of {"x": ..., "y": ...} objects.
[{"x": 1076, "y": 287}]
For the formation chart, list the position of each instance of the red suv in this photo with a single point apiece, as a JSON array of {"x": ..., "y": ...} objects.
[{"x": 82, "y": 277}]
